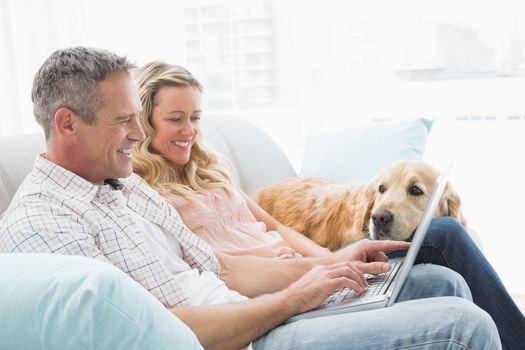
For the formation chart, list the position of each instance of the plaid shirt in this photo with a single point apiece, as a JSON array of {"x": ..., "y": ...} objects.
[{"x": 57, "y": 211}]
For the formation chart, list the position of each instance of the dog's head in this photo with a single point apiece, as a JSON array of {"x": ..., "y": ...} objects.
[{"x": 402, "y": 191}]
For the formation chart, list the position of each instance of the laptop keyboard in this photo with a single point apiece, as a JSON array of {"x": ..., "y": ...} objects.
[{"x": 377, "y": 285}]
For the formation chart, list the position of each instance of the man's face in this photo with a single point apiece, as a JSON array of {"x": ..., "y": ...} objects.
[{"x": 104, "y": 148}]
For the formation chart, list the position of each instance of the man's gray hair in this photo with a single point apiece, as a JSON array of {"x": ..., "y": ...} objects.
[{"x": 68, "y": 78}]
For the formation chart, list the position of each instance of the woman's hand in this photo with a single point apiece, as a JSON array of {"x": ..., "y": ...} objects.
[
  {"x": 286, "y": 253},
  {"x": 369, "y": 256}
]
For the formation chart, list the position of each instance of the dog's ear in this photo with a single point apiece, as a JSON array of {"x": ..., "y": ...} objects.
[
  {"x": 351, "y": 216},
  {"x": 369, "y": 197},
  {"x": 450, "y": 205}
]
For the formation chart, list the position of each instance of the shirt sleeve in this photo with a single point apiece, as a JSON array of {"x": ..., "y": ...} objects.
[{"x": 37, "y": 227}]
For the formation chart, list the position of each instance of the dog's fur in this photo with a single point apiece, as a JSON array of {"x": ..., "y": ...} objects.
[{"x": 387, "y": 207}]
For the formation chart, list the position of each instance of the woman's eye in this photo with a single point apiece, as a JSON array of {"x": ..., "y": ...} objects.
[
  {"x": 174, "y": 120},
  {"x": 382, "y": 189},
  {"x": 415, "y": 191},
  {"x": 195, "y": 118}
]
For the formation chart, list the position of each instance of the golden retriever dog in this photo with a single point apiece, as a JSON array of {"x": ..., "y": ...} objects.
[{"x": 333, "y": 215}]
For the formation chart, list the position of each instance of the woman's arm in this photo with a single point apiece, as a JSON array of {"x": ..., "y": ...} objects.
[
  {"x": 297, "y": 241},
  {"x": 252, "y": 275}
]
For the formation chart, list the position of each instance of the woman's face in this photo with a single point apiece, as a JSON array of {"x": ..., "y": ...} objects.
[{"x": 176, "y": 121}]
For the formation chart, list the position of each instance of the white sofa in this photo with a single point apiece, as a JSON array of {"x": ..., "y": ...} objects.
[{"x": 49, "y": 301}]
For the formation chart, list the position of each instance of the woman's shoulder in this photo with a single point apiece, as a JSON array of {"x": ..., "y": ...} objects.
[
  {"x": 214, "y": 200},
  {"x": 200, "y": 196}
]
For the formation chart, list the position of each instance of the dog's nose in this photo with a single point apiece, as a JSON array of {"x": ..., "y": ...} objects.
[{"x": 381, "y": 217}]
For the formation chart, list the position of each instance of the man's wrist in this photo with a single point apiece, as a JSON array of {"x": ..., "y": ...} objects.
[{"x": 291, "y": 304}]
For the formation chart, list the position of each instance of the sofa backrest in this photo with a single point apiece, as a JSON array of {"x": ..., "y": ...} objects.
[
  {"x": 256, "y": 160},
  {"x": 17, "y": 154}
]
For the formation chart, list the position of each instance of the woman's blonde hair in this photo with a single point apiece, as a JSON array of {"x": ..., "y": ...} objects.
[{"x": 203, "y": 170}]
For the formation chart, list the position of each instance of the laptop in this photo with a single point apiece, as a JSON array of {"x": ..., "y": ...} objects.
[{"x": 382, "y": 289}]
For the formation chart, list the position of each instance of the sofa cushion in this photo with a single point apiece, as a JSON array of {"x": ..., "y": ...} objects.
[
  {"x": 52, "y": 301},
  {"x": 214, "y": 140},
  {"x": 258, "y": 160},
  {"x": 16, "y": 161},
  {"x": 358, "y": 154}
]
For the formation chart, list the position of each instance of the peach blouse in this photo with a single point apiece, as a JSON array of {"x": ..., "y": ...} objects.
[{"x": 227, "y": 224}]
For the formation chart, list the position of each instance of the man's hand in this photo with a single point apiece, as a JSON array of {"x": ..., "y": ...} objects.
[
  {"x": 369, "y": 256},
  {"x": 316, "y": 285}
]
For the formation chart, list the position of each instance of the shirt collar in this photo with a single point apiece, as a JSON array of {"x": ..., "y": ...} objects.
[
  {"x": 116, "y": 184},
  {"x": 71, "y": 182}
]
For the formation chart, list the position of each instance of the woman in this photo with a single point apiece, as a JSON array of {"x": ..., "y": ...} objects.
[
  {"x": 195, "y": 181},
  {"x": 173, "y": 161}
]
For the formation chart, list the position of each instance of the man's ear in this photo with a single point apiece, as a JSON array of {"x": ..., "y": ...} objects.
[{"x": 65, "y": 121}]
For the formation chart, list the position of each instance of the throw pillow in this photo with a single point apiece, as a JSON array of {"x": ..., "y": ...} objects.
[{"x": 358, "y": 154}]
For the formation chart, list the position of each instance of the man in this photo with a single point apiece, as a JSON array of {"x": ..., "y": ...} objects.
[{"x": 87, "y": 103}]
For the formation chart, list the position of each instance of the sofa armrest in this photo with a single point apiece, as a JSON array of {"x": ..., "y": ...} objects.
[{"x": 50, "y": 301}]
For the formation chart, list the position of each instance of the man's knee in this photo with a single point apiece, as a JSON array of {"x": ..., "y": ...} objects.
[
  {"x": 427, "y": 280},
  {"x": 475, "y": 323},
  {"x": 455, "y": 323}
]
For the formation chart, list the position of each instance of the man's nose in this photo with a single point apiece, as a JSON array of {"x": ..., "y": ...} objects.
[{"x": 136, "y": 132}]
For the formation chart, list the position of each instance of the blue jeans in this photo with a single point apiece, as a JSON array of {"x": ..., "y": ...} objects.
[
  {"x": 448, "y": 244},
  {"x": 433, "y": 311}
]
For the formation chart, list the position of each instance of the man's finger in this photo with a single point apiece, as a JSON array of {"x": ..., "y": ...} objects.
[
  {"x": 349, "y": 283},
  {"x": 380, "y": 256},
  {"x": 375, "y": 268},
  {"x": 349, "y": 271}
]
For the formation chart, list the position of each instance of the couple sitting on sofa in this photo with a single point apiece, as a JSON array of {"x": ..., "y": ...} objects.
[{"x": 72, "y": 203}]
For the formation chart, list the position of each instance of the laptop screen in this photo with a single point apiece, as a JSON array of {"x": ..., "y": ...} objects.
[{"x": 419, "y": 235}]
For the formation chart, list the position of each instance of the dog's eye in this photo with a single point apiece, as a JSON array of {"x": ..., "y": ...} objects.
[
  {"x": 416, "y": 191},
  {"x": 382, "y": 189}
]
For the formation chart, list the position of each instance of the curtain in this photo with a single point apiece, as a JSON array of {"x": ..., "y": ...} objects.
[{"x": 30, "y": 30}]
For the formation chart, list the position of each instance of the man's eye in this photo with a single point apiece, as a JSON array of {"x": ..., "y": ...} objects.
[
  {"x": 382, "y": 189},
  {"x": 415, "y": 191}
]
